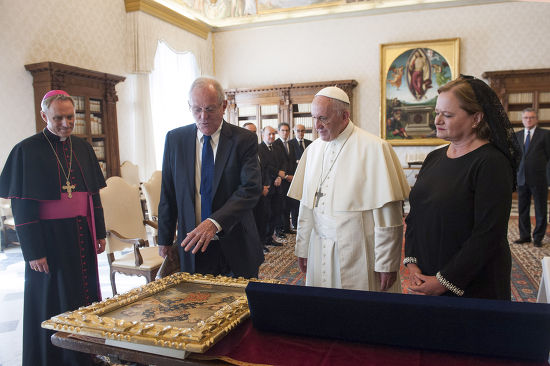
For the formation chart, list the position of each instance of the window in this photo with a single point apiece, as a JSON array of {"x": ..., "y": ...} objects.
[{"x": 169, "y": 83}]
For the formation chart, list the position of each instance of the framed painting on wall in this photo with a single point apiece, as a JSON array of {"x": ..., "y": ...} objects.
[{"x": 410, "y": 75}]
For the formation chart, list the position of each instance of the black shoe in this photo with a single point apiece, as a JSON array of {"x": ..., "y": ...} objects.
[
  {"x": 280, "y": 235},
  {"x": 274, "y": 243},
  {"x": 290, "y": 231},
  {"x": 522, "y": 241},
  {"x": 537, "y": 243},
  {"x": 266, "y": 250}
]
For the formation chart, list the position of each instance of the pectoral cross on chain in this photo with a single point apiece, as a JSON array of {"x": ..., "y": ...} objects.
[
  {"x": 69, "y": 188},
  {"x": 317, "y": 197}
]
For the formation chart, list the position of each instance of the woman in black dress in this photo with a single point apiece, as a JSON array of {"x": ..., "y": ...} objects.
[{"x": 456, "y": 239}]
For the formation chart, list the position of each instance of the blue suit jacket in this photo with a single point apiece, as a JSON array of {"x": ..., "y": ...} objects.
[{"x": 237, "y": 188}]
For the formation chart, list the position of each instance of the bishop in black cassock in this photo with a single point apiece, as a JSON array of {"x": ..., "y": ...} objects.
[{"x": 54, "y": 226}]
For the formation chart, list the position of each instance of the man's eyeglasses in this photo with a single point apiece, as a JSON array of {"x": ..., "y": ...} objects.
[
  {"x": 199, "y": 110},
  {"x": 300, "y": 130}
]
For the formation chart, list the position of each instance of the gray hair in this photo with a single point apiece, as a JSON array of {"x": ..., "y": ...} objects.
[
  {"x": 204, "y": 82},
  {"x": 46, "y": 103},
  {"x": 340, "y": 106},
  {"x": 530, "y": 109}
]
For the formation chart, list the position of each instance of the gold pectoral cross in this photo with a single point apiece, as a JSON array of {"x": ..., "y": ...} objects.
[
  {"x": 69, "y": 188},
  {"x": 317, "y": 197}
]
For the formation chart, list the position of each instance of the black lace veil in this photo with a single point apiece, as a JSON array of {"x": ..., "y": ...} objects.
[{"x": 502, "y": 134}]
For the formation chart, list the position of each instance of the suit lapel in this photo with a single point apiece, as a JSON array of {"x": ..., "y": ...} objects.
[
  {"x": 185, "y": 154},
  {"x": 222, "y": 154}
]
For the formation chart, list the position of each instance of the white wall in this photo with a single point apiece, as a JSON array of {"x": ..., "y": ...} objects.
[
  {"x": 493, "y": 37},
  {"x": 95, "y": 35}
]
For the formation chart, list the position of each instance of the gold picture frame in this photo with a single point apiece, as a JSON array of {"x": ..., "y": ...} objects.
[
  {"x": 179, "y": 313},
  {"x": 410, "y": 74}
]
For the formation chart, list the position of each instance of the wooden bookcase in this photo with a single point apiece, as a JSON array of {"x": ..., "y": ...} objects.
[
  {"x": 520, "y": 89},
  {"x": 95, "y": 103},
  {"x": 274, "y": 104}
]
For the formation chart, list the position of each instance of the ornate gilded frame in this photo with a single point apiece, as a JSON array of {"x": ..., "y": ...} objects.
[
  {"x": 115, "y": 318},
  {"x": 399, "y": 95}
]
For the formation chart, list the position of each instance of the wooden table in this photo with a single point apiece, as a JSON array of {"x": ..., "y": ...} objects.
[{"x": 93, "y": 345}]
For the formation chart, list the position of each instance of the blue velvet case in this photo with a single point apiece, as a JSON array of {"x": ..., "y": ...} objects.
[{"x": 486, "y": 327}]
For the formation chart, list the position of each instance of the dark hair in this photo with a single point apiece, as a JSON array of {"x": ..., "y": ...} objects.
[{"x": 283, "y": 124}]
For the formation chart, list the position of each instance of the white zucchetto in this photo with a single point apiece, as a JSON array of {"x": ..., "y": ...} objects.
[{"x": 334, "y": 93}]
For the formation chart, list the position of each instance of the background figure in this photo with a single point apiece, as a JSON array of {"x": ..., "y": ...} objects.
[
  {"x": 261, "y": 208},
  {"x": 456, "y": 240},
  {"x": 300, "y": 144},
  {"x": 53, "y": 180},
  {"x": 535, "y": 143},
  {"x": 269, "y": 214},
  {"x": 350, "y": 185},
  {"x": 211, "y": 182},
  {"x": 394, "y": 126},
  {"x": 288, "y": 158}
]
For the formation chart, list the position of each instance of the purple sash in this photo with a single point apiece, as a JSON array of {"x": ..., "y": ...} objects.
[{"x": 80, "y": 204}]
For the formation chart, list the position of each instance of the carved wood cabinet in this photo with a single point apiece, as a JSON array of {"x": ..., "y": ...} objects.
[
  {"x": 520, "y": 89},
  {"x": 274, "y": 104},
  {"x": 95, "y": 104}
]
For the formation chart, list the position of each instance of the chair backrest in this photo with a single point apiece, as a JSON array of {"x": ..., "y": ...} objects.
[
  {"x": 151, "y": 190},
  {"x": 122, "y": 210},
  {"x": 130, "y": 173}
]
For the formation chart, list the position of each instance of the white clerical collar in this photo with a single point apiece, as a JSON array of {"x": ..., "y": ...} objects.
[{"x": 215, "y": 136}]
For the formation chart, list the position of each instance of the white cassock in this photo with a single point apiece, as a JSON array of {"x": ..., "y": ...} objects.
[{"x": 355, "y": 228}]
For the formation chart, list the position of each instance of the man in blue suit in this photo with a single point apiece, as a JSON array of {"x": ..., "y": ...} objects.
[
  {"x": 211, "y": 182},
  {"x": 535, "y": 142}
]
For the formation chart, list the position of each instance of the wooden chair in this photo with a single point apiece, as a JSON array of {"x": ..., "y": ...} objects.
[
  {"x": 151, "y": 191},
  {"x": 7, "y": 224},
  {"x": 126, "y": 229}
]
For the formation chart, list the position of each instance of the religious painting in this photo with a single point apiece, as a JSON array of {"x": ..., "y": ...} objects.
[
  {"x": 178, "y": 313},
  {"x": 410, "y": 75}
]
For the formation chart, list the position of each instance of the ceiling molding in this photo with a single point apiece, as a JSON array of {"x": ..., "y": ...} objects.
[
  {"x": 174, "y": 13},
  {"x": 162, "y": 12}
]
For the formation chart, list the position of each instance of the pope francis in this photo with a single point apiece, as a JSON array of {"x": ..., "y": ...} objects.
[{"x": 351, "y": 186}]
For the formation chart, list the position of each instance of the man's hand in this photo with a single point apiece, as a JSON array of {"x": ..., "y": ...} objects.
[
  {"x": 387, "y": 279},
  {"x": 40, "y": 265},
  {"x": 200, "y": 237},
  {"x": 430, "y": 286},
  {"x": 277, "y": 182},
  {"x": 164, "y": 250},
  {"x": 289, "y": 178},
  {"x": 302, "y": 264},
  {"x": 265, "y": 191},
  {"x": 100, "y": 246}
]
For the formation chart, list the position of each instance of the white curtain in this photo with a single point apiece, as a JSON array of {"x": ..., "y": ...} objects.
[{"x": 169, "y": 84}]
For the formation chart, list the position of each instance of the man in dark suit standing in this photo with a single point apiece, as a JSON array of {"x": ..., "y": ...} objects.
[
  {"x": 532, "y": 178},
  {"x": 288, "y": 157},
  {"x": 267, "y": 208},
  {"x": 299, "y": 143},
  {"x": 210, "y": 184}
]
